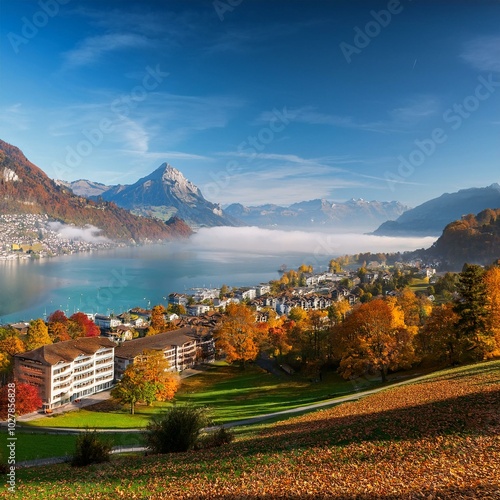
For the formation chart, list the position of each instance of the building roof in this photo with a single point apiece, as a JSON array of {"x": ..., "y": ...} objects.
[
  {"x": 66, "y": 351},
  {"x": 161, "y": 341}
]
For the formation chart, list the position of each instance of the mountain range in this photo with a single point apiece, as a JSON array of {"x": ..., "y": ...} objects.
[
  {"x": 358, "y": 215},
  {"x": 166, "y": 192},
  {"x": 429, "y": 218},
  {"x": 26, "y": 189}
]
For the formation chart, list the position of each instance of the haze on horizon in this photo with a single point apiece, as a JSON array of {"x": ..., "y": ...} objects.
[
  {"x": 256, "y": 102},
  {"x": 313, "y": 245}
]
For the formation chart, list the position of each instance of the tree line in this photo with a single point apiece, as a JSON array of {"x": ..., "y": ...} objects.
[{"x": 382, "y": 334}]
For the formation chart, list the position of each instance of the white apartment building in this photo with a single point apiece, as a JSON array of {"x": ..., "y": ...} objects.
[
  {"x": 180, "y": 348},
  {"x": 68, "y": 370}
]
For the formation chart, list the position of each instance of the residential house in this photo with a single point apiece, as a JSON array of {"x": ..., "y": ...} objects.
[
  {"x": 68, "y": 370},
  {"x": 246, "y": 293},
  {"x": 21, "y": 328},
  {"x": 197, "y": 309},
  {"x": 262, "y": 289},
  {"x": 106, "y": 322},
  {"x": 178, "y": 299}
]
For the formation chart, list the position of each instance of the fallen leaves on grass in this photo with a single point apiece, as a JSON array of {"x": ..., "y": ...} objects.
[{"x": 432, "y": 440}]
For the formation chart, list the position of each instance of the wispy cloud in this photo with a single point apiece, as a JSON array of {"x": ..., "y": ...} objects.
[
  {"x": 483, "y": 53},
  {"x": 94, "y": 48},
  {"x": 255, "y": 37},
  {"x": 398, "y": 120},
  {"x": 15, "y": 116},
  {"x": 415, "y": 110}
]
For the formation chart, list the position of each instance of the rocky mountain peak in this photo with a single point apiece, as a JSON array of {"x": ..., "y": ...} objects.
[{"x": 176, "y": 181}]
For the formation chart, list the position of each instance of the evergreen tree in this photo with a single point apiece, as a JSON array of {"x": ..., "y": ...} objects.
[{"x": 471, "y": 308}]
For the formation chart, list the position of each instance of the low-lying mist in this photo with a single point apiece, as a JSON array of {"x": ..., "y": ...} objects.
[
  {"x": 258, "y": 241},
  {"x": 88, "y": 233}
]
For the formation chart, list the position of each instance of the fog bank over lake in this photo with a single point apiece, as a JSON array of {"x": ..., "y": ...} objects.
[
  {"x": 260, "y": 241},
  {"x": 116, "y": 280}
]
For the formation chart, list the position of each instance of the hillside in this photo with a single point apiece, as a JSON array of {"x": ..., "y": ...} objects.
[
  {"x": 25, "y": 188},
  {"x": 429, "y": 218},
  {"x": 474, "y": 239},
  {"x": 351, "y": 215},
  {"x": 437, "y": 438}
]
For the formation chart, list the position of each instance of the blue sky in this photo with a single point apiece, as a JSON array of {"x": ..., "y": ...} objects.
[{"x": 258, "y": 101}]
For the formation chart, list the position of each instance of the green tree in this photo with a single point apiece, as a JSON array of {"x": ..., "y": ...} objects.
[
  {"x": 472, "y": 311},
  {"x": 37, "y": 335}
]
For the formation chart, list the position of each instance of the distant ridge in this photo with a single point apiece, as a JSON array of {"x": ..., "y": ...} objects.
[
  {"x": 429, "y": 218},
  {"x": 355, "y": 214},
  {"x": 26, "y": 189}
]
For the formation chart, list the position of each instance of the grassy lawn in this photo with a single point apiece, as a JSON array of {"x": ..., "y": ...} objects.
[
  {"x": 436, "y": 438},
  {"x": 86, "y": 417},
  {"x": 230, "y": 392},
  {"x": 235, "y": 394},
  {"x": 31, "y": 445},
  {"x": 419, "y": 284}
]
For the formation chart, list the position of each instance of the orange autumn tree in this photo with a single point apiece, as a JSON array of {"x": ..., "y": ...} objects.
[
  {"x": 237, "y": 334},
  {"x": 374, "y": 338},
  {"x": 156, "y": 369},
  {"x": 158, "y": 319},
  {"x": 492, "y": 282},
  {"x": 148, "y": 379},
  {"x": 439, "y": 339}
]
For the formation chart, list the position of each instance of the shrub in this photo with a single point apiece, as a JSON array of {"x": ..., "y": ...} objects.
[
  {"x": 90, "y": 450},
  {"x": 4, "y": 468},
  {"x": 177, "y": 429},
  {"x": 215, "y": 439}
]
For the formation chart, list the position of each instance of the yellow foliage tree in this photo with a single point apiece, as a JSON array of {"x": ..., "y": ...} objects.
[{"x": 37, "y": 335}]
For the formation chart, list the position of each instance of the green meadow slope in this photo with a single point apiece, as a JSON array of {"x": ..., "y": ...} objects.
[{"x": 437, "y": 438}]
